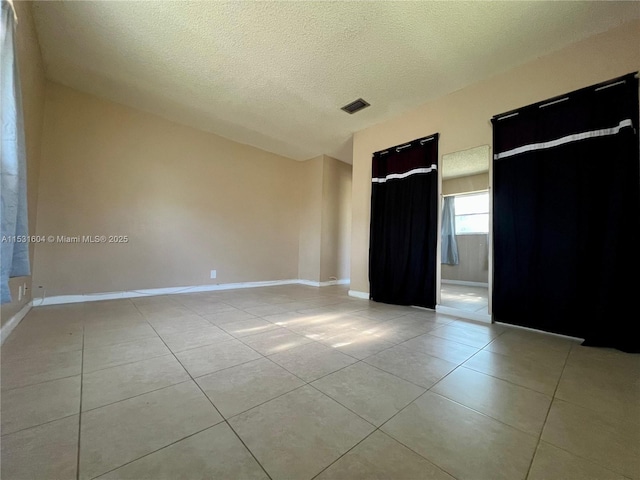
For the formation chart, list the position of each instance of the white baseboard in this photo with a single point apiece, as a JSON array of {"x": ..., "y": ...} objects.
[
  {"x": 455, "y": 312},
  {"x": 94, "y": 297},
  {"x": 13, "y": 322},
  {"x": 520, "y": 327},
  {"x": 311, "y": 283},
  {"x": 356, "y": 294}
]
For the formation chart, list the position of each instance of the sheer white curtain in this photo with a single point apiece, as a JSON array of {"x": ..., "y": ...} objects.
[{"x": 14, "y": 255}]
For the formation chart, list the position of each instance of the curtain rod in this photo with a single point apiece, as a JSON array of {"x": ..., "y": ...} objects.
[
  {"x": 561, "y": 98},
  {"x": 417, "y": 141}
]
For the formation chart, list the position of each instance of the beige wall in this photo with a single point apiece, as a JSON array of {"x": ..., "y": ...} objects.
[
  {"x": 33, "y": 87},
  {"x": 470, "y": 183},
  {"x": 336, "y": 220},
  {"x": 310, "y": 243},
  {"x": 473, "y": 254},
  {"x": 325, "y": 219},
  {"x": 463, "y": 117},
  {"x": 189, "y": 202}
]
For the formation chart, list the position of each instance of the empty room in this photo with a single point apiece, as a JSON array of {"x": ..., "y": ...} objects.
[{"x": 298, "y": 240}]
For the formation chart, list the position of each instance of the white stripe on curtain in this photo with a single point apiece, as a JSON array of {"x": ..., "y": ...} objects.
[
  {"x": 395, "y": 176},
  {"x": 568, "y": 139}
]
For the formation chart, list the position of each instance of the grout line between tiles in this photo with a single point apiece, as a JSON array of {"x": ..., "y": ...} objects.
[
  {"x": 345, "y": 453},
  {"x": 415, "y": 400},
  {"x": 80, "y": 408},
  {"x": 216, "y": 409},
  {"x": 306, "y": 384},
  {"x": 484, "y": 349},
  {"x": 357, "y": 360},
  {"x": 128, "y": 363},
  {"x": 136, "y": 396},
  {"x": 5, "y": 390},
  {"x": 38, "y": 425},
  {"x": 546, "y": 417},
  {"x": 161, "y": 448}
]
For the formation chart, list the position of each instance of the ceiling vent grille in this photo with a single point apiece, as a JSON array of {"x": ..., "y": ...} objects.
[{"x": 355, "y": 106}]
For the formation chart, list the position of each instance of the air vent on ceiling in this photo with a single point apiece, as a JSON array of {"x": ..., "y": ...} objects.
[{"x": 355, "y": 106}]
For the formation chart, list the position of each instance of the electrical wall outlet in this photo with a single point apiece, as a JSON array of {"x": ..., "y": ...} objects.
[{"x": 214, "y": 274}]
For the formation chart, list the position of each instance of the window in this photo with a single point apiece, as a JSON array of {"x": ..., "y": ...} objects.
[{"x": 472, "y": 213}]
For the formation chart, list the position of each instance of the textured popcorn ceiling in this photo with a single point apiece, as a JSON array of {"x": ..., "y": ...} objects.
[
  {"x": 275, "y": 74},
  {"x": 466, "y": 162}
]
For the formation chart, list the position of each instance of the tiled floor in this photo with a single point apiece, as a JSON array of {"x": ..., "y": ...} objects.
[
  {"x": 465, "y": 297},
  {"x": 295, "y": 382}
]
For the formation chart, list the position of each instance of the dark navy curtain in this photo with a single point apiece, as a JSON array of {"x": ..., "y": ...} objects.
[
  {"x": 566, "y": 212},
  {"x": 404, "y": 219}
]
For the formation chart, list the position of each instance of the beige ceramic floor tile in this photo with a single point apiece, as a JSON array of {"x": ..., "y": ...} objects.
[
  {"x": 312, "y": 360},
  {"x": 228, "y": 316},
  {"x": 380, "y": 314},
  {"x": 122, "y": 353},
  {"x": 297, "y": 435},
  {"x": 537, "y": 376},
  {"x": 534, "y": 346},
  {"x": 472, "y": 336},
  {"x": 371, "y": 393},
  {"x": 240, "y": 388},
  {"x": 170, "y": 326},
  {"x": 357, "y": 345},
  {"x": 275, "y": 341},
  {"x": 248, "y": 327},
  {"x": 49, "y": 451},
  {"x": 112, "y": 336},
  {"x": 411, "y": 365},
  {"x": 39, "y": 326},
  {"x": 215, "y": 453},
  {"x": 512, "y": 404},
  {"x": 166, "y": 432},
  {"x": 33, "y": 405},
  {"x": 209, "y": 359},
  {"x": 398, "y": 330},
  {"x": 165, "y": 300},
  {"x": 211, "y": 308},
  {"x": 244, "y": 302},
  {"x": 439, "y": 347},
  {"x": 263, "y": 310},
  {"x": 195, "y": 338},
  {"x": 118, "y": 383},
  {"x": 614, "y": 361},
  {"x": 288, "y": 319},
  {"x": 124, "y": 431},
  {"x": 18, "y": 347},
  {"x": 379, "y": 457},
  {"x": 466, "y": 444},
  {"x": 603, "y": 390},
  {"x": 551, "y": 462},
  {"x": 108, "y": 321},
  {"x": 157, "y": 312},
  {"x": 592, "y": 435},
  {"x": 40, "y": 368}
]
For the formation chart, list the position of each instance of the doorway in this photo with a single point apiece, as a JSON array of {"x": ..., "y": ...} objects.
[{"x": 465, "y": 253}]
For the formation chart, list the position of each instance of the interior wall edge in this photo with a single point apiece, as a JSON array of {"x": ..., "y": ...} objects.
[{"x": 10, "y": 325}]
